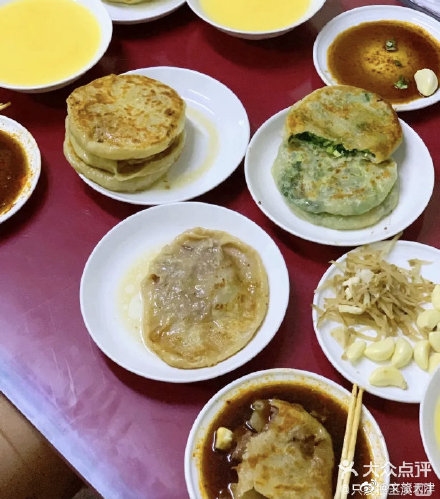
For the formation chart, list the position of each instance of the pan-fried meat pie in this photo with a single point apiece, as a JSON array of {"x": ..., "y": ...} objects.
[{"x": 205, "y": 296}]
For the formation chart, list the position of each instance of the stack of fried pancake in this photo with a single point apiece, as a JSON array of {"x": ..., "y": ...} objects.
[
  {"x": 333, "y": 167},
  {"x": 124, "y": 132}
]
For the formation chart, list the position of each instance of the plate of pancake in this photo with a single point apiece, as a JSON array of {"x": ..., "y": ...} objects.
[
  {"x": 155, "y": 135},
  {"x": 339, "y": 168},
  {"x": 184, "y": 292},
  {"x": 140, "y": 11}
]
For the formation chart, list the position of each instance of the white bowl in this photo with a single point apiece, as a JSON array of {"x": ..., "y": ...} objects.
[
  {"x": 193, "y": 451},
  {"x": 313, "y": 8},
  {"x": 427, "y": 413},
  {"x": 18, "y": 132},
  {"x": 371, "y": 13},
  {"x": 100, "y": 13}
]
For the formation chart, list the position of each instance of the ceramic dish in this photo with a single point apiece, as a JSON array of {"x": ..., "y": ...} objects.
[
  {"x": 429, "y": 419},
  {"x": 217, "y": 134},
  {"x": 315, "y": 382},
  {"x": 142, "y": 12},
  {"x": 367, "y": 14},
  {"x": 138, "y": 237},
  {"x": 359, "y": 373},
  {"x": 32, "y": 152},
  {"x": 416, "y": 173},
  {"x": 104, "y": 21},
  {"x": 313, "y": 8}
]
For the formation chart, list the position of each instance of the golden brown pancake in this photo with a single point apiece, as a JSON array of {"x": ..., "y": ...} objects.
[
  {"x": 204, "y": 297},
  {"x": 128, "y": 177},
  {"x": 123, "y": 117},
  {"x": 292, "y": 458},
  {"x": 351, "y": 116}
]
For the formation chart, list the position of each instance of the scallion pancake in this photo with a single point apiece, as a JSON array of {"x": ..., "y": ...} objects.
[
  {"x": 348, "y": 116},
  {"x": 353, "y": 222},
  {"x": 316, "y": 181}
]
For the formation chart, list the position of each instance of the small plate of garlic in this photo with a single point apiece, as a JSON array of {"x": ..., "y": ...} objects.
[{"x": 376, "y": 314}]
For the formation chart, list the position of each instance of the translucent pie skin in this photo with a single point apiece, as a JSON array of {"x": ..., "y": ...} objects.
[{"x": 204, "y": 297}]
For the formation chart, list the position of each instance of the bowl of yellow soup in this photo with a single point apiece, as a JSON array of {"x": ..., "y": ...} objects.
[
  {"x": 430, "y": 421},
  {"x": 255, "y": 19},
  {"x": 46, "y": 44}
]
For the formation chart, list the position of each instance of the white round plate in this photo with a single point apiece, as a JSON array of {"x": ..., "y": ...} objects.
[
  {"x": 146, "y": 232},
  {"x": 359, "y": 373},
  {"x": 254, "y": 380},
  {"x": 416, "y": 174},
  {"x": 430, "y": 400},
  {"x": 368, "y": 14},
  {"x": 17, "y": 131},
  {"x": 217, "y": 134},
  {"x": 149, "y": 10},
  {"x": 312, "y": 9}
]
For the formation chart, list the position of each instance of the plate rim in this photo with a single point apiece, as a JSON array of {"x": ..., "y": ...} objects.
[
  {"x": 377, "y": 391},
  {"x": 33, "y": 155},
  {"x": 245, "y": 130},
  {"x": 273, "y": 374},
  {"x": 256, "y": 138},
  {"x": 408, "y": 106},
  {"x": 194, "y": 374},
  {"x": 112, "y": 7},
  {"x": 424, "y": 415}
]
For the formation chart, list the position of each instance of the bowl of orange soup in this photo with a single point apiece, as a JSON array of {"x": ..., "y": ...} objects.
[
  {"x": 46, "y": 44},
  {"x": 255, "y": 19}
]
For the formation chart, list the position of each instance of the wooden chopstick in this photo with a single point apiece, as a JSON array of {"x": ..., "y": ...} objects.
[
  {"x": 349, "y": 445},
  {"x": 4, "y": 106}
]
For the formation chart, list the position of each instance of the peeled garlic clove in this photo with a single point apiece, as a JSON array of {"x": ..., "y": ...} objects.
[
  {"x": 428, "y": 319},
  {"x": 388, "y": 376},
  {"x": 421, "y": 354},
  {"x": 380, "y": 350},
  {"x": 434, "y": 362},
  {"x": 402, "y": 353},
  {"x": 426, "y": 81},
  {"x": 434, "y": 340},
  {"x": 224, "y": 438},
  {"x": 355, "y": 351},
  {"x": 435, "y": 297}
]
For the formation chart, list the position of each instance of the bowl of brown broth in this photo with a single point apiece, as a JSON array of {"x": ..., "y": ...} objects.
[
  {"x": 210, "y": 474},
  {"x": 379, "y": 48},
  {"x": 20, "y": 165}
]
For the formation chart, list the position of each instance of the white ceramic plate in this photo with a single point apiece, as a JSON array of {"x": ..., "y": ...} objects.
[
  {"x": 257, "y": 379},
  {"x": 149, "y": 10},
  {"x": 104, "y": 21},
  {"x": 416, "y": 173},
  {"x": 146, "y": 232},
  {"x": 17, "y": 131},
  {"x": 430, "y": 400},
  {"x": 359, "y": 373},
  {"x": 368, "y": 14},
  {"x": 217, "y": 134},
  {"x": 312, "y": 9}
]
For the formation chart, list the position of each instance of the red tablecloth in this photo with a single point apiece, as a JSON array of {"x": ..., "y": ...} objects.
[{"x": 126, "y": 435}]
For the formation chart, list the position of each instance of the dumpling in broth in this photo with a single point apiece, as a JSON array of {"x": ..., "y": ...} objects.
[{"x": 204, "y": 297}]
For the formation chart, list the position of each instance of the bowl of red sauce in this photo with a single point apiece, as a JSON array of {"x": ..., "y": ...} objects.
[{"x": 20, "y": 166}]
